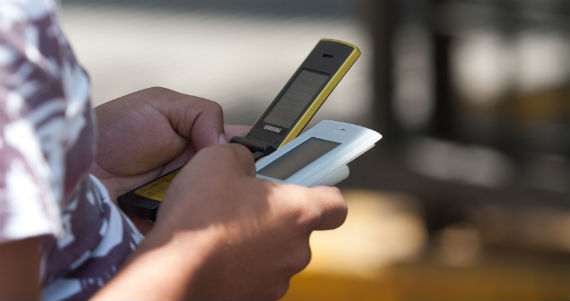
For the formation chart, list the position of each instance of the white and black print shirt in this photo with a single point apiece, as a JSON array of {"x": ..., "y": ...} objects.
[{"x": 47, "y": 144}]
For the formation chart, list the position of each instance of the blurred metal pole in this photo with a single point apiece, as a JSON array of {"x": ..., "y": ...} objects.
[{"x": 378, "y": 15}]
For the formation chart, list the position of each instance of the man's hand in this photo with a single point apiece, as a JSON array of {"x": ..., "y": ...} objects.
[
  {"x": 220, "y": 233},
  {"x": 148, "y": 133},
  {"x": 260, "y": 228},
  {"x": 223, "y": 234}
]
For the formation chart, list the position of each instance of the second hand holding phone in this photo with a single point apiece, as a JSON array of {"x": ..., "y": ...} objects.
[{"x": 281, "y": 121}]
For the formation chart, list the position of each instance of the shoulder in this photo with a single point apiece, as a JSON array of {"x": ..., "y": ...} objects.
[
  {"x": 16, "y": 11},
  {"x": 38, "y": 77},
  {"x": 30, "y": 37}
]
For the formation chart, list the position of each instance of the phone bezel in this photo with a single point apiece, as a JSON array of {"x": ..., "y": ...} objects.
[
  {"x": 353, "y": 141},
  {"x": 327, "y": 57}
]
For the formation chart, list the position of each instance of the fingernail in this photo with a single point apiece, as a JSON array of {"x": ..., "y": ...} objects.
[{"x": 222, "y": 139}]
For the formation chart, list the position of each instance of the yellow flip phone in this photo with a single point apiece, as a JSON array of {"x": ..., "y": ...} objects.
[{"x": 281, "y": 122}]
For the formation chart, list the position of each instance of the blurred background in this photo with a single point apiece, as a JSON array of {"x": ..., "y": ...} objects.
[{"x": 465, "y": 197}]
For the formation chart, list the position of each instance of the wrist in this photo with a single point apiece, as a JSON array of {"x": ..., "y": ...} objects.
[
  {"x": 186, "y": 249},
  {"x": 182, "y": 253},
  {"x": 164, "y": 266}
]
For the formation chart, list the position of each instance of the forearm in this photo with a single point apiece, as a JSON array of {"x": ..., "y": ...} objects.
[
  {"x": 19, "y": 269},
  {"x": 161, "y": 268}
]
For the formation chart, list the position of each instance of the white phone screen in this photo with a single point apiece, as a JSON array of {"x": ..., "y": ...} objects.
[{"x": 297, "y": 158}]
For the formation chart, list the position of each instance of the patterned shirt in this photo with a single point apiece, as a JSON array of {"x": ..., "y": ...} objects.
[{"x": 46, "y": 149}]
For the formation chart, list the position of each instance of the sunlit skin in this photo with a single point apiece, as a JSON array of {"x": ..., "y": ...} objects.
[{"x": 221, "y": 233}]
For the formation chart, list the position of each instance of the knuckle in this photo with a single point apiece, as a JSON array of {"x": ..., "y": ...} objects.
[
  {"x": 217, "y": 151},
  {"x": 303, "y": 259},
  {"x": 239, "y": 150},
  {"x": 243, "y": 155},
  {"x": 233, "y": 155},
  {"x": 210, "y": 105},
  {"x": 215, "y": 106},
  {"x": 342, "y": 207},
  {"x": 306, "y": 216},
  {"x": 313, "y": 220},
  {"x": 278, "y": 291},
  {"x": 335, "y": 189},
  {"x": 158, "y": 90}
]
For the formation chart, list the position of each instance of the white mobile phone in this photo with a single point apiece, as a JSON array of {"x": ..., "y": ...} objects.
[{"x": 319, "y": 155}]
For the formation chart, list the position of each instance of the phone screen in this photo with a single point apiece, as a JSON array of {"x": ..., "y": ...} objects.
[
  {"x": 297, "y": 158},
  {"x": 302, "y": 90}
]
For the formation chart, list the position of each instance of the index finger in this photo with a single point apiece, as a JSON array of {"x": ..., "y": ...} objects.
[
  {"x": 236, "y": 130},
  {"x": 332, "y": 207},
  {"x": 207, "y": 124},
  {"x": 192, "y": 117}
]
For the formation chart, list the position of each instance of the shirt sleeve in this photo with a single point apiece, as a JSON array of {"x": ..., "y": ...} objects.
[{"x": 32, "y": 112}]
